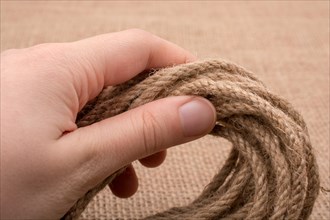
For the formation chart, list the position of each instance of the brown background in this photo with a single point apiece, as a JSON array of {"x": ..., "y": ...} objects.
[{"x": 285, "y": 43}]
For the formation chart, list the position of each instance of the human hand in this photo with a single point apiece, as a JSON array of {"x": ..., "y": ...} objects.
[{"x": 47, "y": 163}]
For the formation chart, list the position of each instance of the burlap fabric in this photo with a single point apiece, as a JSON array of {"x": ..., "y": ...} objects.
[{"x": 285, "y": 43}]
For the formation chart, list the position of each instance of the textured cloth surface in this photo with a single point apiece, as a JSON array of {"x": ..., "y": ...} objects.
[{"x": 285, "y": 43}]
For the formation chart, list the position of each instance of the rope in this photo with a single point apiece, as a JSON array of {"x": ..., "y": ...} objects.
[{"x": 271, "y": 172}]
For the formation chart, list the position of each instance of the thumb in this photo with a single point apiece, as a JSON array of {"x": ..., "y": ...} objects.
[{"x": 117, "y": 141}]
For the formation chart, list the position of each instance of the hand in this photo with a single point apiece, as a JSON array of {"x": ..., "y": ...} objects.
[{"x": 47, "y": 163}]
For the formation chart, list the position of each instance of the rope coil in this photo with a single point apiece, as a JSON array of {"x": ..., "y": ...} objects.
[{"x": 271, "y": 172}]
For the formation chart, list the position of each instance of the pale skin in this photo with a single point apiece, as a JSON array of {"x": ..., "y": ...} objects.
[{"x": 47, "y": 163}]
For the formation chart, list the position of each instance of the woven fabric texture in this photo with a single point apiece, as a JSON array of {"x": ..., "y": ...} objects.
[{"x": 286, "y": 44}]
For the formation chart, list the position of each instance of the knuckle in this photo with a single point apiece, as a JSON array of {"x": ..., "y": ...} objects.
[
  {"x": 48, "y": 58},
  {"x": 151, "y": 132},
  {"x": 10, "y": 58},
  {"x": 139, "y": 32},
  {"x": 10, "y": 52},
  {"x": 38, "y": 55},
  {"x": 46, "y": 50},
  {"x": 44, "y": 46}
]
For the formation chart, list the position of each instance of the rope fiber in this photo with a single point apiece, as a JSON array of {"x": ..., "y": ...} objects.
[{"x": 271, "y": 172}]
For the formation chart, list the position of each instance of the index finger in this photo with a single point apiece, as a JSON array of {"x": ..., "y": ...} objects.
[{"x": 117, "y": 57}]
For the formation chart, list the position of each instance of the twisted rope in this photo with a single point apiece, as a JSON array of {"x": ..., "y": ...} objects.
[{"x": 271, "y": 172}]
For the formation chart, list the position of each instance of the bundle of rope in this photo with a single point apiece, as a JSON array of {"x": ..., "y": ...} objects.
[{"x": 271, "y": 172}]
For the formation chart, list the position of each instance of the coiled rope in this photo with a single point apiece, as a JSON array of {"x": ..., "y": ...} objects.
[{"x": 271, "y": 172}]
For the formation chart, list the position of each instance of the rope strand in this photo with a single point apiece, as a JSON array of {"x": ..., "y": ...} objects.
[{"x": 271, "y": 172}]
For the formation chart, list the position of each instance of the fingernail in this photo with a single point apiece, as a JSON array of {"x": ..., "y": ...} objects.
[{"x": 197, "y": 117}]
